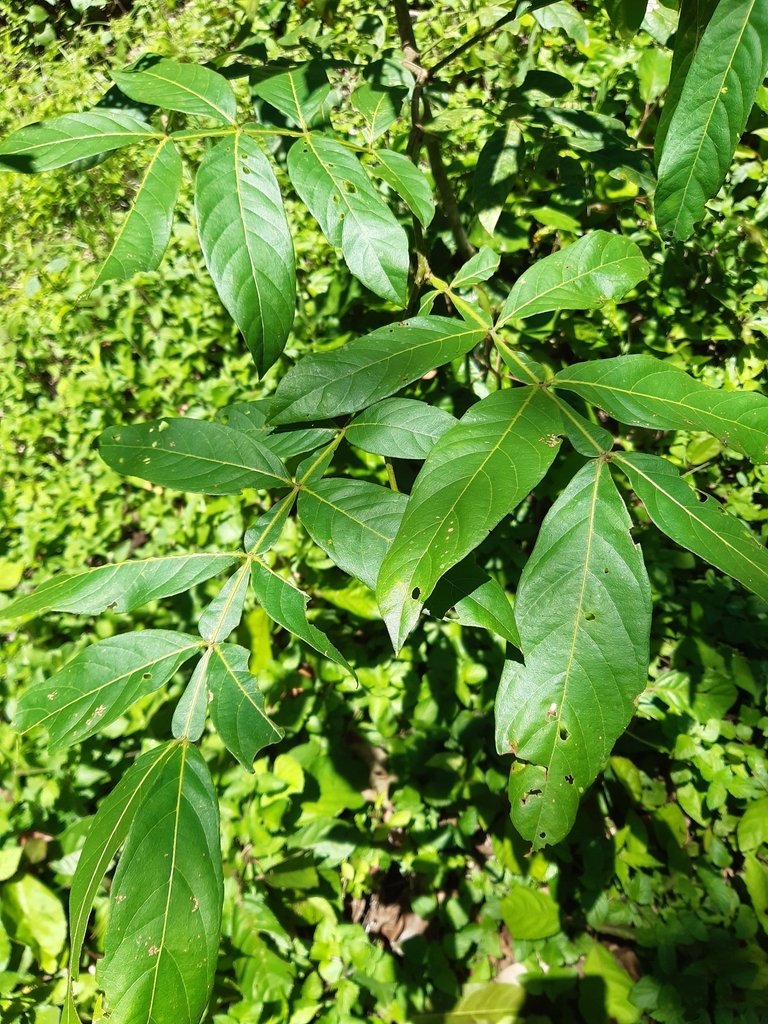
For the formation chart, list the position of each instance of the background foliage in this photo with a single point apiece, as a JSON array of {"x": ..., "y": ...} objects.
[{"x": 375, "y": 878}]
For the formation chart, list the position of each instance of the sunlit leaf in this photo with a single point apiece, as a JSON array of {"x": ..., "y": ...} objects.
[
  {"x": 189, "y": 88},
  {"x": 237, "y": 706}
]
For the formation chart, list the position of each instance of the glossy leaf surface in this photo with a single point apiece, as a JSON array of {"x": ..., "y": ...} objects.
[
  {"x": 237, "y": 705},
  {"x": 192, "y": 455},
  {"x": 399, "y": 427},
  {"x": 165, "y": 902},
  {"x": 247, "y": 244},
  {"x": 190, "y": 88},
  {"x": 369, "y": 369},
  {"x": 408, "y": 181},
  {"x": 583, "y": 609},
  {"x": 476, "y": 473},
  {"x": 586, "y": 437}
]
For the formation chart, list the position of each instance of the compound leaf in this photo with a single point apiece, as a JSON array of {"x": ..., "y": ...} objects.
[
  {"x": 189, "y": 88},
  {"x": 379, "y": 105},
  {"x": 407, "y": 180},
  {"x": 265, "y": 532},
  {"x": 224, "y": 612},
  {"x": 478, "y": 471},
  {"x": 583, "y": 609},
  {"x": 298, "y": 92},
  {"x": 247, "y": 244},
  {"x": 165, "y": 903},
  {"x": 192, "y": 455},
  {"x": 237, "y": 705},
  {"x": 188, "y": 720},
  {"x": 102, "y": 682},
  {"x": 286, "y": 444},
  {"x": 401, "y": 428},
  {"x": 600, "y": 266},
  {"x": 476, "y": 599},
  {"x": 497, "y": 168},
  {"x": 479, "y": 267}
]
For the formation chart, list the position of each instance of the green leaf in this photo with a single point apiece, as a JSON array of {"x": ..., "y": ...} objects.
[
  {"x": 583, "y": 609},
  {"x": 265, "y": 532},
  {"x": 646, "y": 392},
  {"x": 530, "y": 914},
  {"x": 703, "y": 527},
  {"x": 717, "y": 97},
  {"x": 753, "y": 825},
  {"x": 626, "y": 15},
  {"x": 480, "y": 267},
  {"x": 756, "y": 881},
  {"x": 287, "y": 605},
  {"x": 144, "y": 233},
  {"x": 224, "y": 612},
  {"x": 192, "y": 455},
  {"x": 51, "y": 144},
  {"x": 371, "y": 368},
  {"x": 492, "y": 1003},
  {"x": 237, "y": 706},
  {"x": 653, "y": 70},
  {"x": 165, "y": 903},
  {"x": 476, "y": 473},
  {"x": 606, "y": 989},
  {"x": 380, "y": 106},
  {"x": 586, "y": 437},
  {"x": 399, "y": 427},
  {"x": 476, "y": 599},
  {"x": 247, "y": 244},
  {"x": 106, "y": 835},
  {"x": 286, "y": 444},
  {"x": 407, "y": 180},
  {"x": 37, "y": 920},
  {"x": 352, "y": 215},
  {"x": 599, "y": 267},
  {"x": 563, "y": 15},
  {"x": 189, "y": 717},
  {"x": 298, "y": 92},
  {"x": 190, "y": 88},
  {"x": 122, "y": 587},
  {"x": 353, "y": 521},
  {"x": 102, "y": 682},
  {"x": 497, "y": 168}
]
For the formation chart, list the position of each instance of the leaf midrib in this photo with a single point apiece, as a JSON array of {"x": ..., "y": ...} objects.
[{"x": 185, "y": 88}]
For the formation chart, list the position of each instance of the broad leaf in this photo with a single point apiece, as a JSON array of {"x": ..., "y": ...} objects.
[
  {"x": 583, "y": 609},
  {"x": 599, "y": 267},
  {"x": 476, "y": 473},
  {"x": 399, "y": 427},
  {"x": 491, "y": 1003},
  {"x": 476, "y": 599},
  {"x": 288, "y": 443},
  {"x": 586, "y": 437},
  {"x": 190, "y": 88},
  {"x": 192, "y": 455},
  {"x": 102, "y": 682},
  {"x": 298, "y": 92},
  {"x": 497, "y": 168},
  {"x": 248, "y": 416},
  {"x": 717, "y": 97},
  {"x": 408, "y": 181},
  {"x": 563, "y": 15},
  {"x": 224, "y": 612},
  {"x": 351, "y": 214},
  {"x": 165, "y": 903},
  {"x": 703, "y": 527},
  {"x": 480, "y": 267},
  {"x": 188, "y": 720},
  {"x": 626, "y": 15},
  {"x": 247, "y": 244},
  {"x": 353, "y": 521},
  {"x": 144, "y": 233},
  {"x": 380, "y": 106},
  {"x": 369, "y": 369},
  {"x": 51, "y": 144},
  {"x": 287, "y": 605},
  {"x": 237, "y": 705},
  {"x": 643, "y": 391},
  {"x": 122, "y": 587}
]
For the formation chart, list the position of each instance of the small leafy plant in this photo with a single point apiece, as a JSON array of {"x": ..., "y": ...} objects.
[{"x": 582, "y": 612}]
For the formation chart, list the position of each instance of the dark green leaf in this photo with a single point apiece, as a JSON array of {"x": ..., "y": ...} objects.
[
  {"x": 265, "y": 532},
  {"x": 298, "y": 92},
  {"x": 189, "y": 88},
  {"x": 408, "y": 181},
  {"x": 497, "y": 168},
  {"x": 286, "y": 444},
  {"x": 224, "y": 612},
  {"x": 583, "y": 609},
  {"x": 477, "y": 600},
  {"x": 399, "y": 427},
  {"x": 626, "y": 15},
  {"x": 237, "y": 706},
  {"x": 379, "y": 106}
]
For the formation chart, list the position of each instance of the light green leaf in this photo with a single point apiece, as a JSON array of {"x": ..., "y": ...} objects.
[
  {"x": 146, "y": 228},
  {"x": 192, "y": 455},
  {"x": 51, "y": 144},
  {"x": 583, "y": 609},
  {"x": 37, "y": 920},
  {"x": 298, "y": 92},
  {"x": 371, "y": 368},
  {"x": 599, "y": 267},
  {"x": 266, "y": 531},
  {"x": 497, "y": 168},
  {"x": 122, "y": 587},
  {"x": 610, "y": 994},
  {"x": 653, "y": 70},
  {"x": 476, "y": 599},
  {"x": 717, "y": 97},
  {"x": 407, "y": 180},
  {"x": 530, "y": 914},
  {"x": 626, "y": 15},
  {"x": 480, "y": 267},
  {"x": 102, "y": 682},
  {"x": 643, "y": 391},
  {"x": 353, "y": 521},
  {"x": 563, "y": 15},
  {"x": 756, "y": 881},
  {"x": 247, "y": 244},
  {"x": 492, "y": 1003},
  {"x": 237, "y": 706},
  {"x": 189, "y": 717},
  {"x": 753, "y": 825},
  {"x": 165, "y": 903},
  {"x": 703, "y": 527},
  {"x": 476, "y": 473},
  {"x": 224, "y": 612},
  {"x": 399, "y": 427},
  {"x": 379, "y": 105},
  {"x": 190, "y": 88},
  {"x": 352, "y": 215}
]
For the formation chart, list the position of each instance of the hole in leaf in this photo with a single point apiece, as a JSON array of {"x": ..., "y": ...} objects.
[
  {"x": 416, "y": 593},
  {"x": 569, "y": 779},
  {"x": 590, "y": 616},
  {"x": 564, "y": 734},
  {"x": 246, "y": 169},
  {"x": 606, "y": 570},
  {"x": 115, "y": 437},
  {"x": 542, "y": 835},
  {"x": 335, "y": 198},
  {"x": 349, "y": 187},
  {"x": 529, "y": 794},
  {"x": 147, "y": 675}
]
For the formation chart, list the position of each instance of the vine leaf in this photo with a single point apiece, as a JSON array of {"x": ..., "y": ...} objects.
[
  {"x": 165, "y": 903},
  {"x": 407, "y": 180},
  {"x": 189, "y": 88},
  {"x": 644, "y": 391},
  {"x": 352, "y": 215},
  {"x": 599, "y": 267},
  {"x": 298, "y": 92},
  {"x": 247, "y": 244},
  {"x": 379, "y": 105},
  {"x": 63, "y": 140},
  {"x": 122, "y": 587},
  {"x": 583, "y": 609},
  {"x": 192, "y": 455},
  {"x": 144, "y": 233},
  {"x": 237, "y": 706},
  {"x": 476, "y": 599},
  {"x": 703, "y": 527},
  {"x": 371, "y": 368},
  {"x": 224, "y": 612},
  {"x": 478, "y": 471},
  {"x": 353, "y": 521},
  {"x": 716, "y": 99},
  {"x": 401, "y": 428}
]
